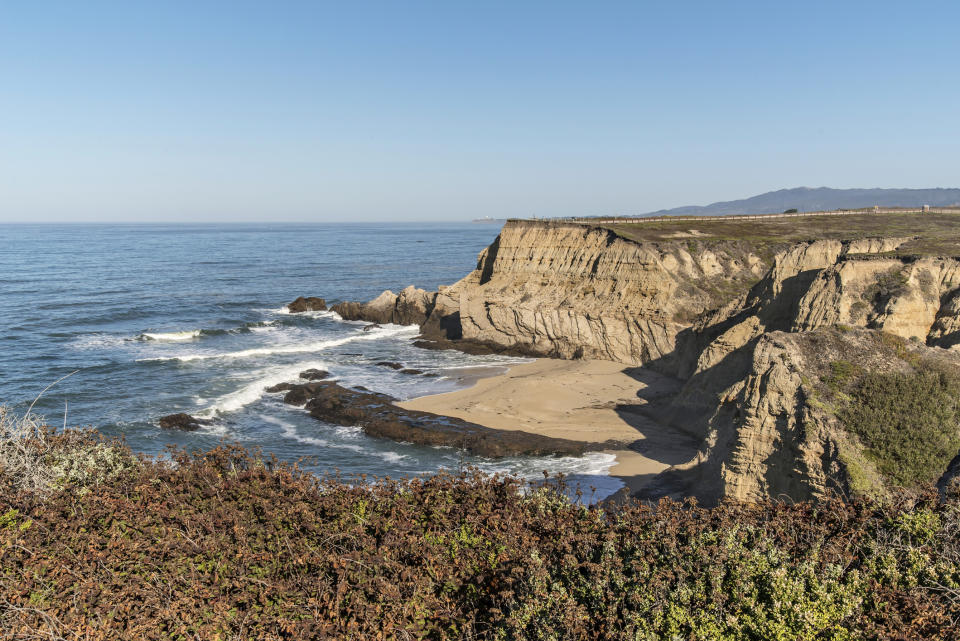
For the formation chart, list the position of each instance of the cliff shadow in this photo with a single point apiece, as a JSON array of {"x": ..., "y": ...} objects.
[
  {"x": 486, "y": 267},
  {"x": 659, "y": 441}
]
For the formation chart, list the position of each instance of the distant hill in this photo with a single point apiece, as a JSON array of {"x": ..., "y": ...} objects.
[{"x": 820, "y": 199}]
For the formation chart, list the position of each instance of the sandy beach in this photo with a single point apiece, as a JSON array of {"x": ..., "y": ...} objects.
[{"x": 585, "y": 400}]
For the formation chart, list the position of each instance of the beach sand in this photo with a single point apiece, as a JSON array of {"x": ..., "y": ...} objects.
[{"x": 584, "y": 400}]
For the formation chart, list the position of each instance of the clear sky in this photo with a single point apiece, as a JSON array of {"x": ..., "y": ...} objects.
[{"x": 351, "y": 110}]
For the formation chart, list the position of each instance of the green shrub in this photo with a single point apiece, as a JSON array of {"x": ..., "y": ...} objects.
[
  {"x": 225, "y": 545},
  {"x": 888, "y": 286},
  {"x": 908, "y": 423}
]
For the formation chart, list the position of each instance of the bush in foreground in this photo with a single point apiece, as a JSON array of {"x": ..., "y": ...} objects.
[{"x": 226, "y": 545}]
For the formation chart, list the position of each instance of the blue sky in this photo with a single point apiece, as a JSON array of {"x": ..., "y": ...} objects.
[{"x": 352, "y": 111}]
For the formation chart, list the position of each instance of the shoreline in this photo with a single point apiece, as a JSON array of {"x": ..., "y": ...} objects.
[{"x": 584, "y": 400}]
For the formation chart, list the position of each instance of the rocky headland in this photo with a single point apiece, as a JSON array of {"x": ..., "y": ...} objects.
[{"x": 753, "y": 323}]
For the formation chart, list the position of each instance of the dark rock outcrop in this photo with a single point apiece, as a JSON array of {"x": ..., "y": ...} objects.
[
  {"x": 950, "y": 481},
  {"x": 412, "y": 306},
  {"x": 477, "y": 348},
  {"x": 314, "y": 374},
  {"x": 376, "y": 414},
  {"x": 307, "y": 304},
  {"x": 390, "y": 364},
  {"x": 300, "y": 394},
  {"x": 181, "y": 421}
]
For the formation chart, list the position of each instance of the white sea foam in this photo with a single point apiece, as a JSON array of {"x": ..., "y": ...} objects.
[
  {"x": 172, "y": 336},
  {"x": 290, "y": 431},
  {"x": 298, "y": 348},
  {"x": 590, "y": 464},
  {"x": 216, "y": 429},
  {"x": 266, "y": 327},
  {"x": 98, "y": 341},
  {"x": 588, "y": 471},
  {"x": 253, "y": 391},
  {"x": 349, "y": 431},
  {"x": 327, "y": 313},
  {"x": 285, "y": 311}
]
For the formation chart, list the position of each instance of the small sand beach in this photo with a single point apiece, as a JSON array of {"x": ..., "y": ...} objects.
[{"x": 585, "y": 400}]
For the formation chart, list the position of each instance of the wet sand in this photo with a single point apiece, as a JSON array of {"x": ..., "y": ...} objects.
[{"x": 584, "y": 400}]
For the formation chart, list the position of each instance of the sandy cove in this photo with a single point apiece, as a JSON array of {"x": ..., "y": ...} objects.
[{"x": 583, "y": 400}]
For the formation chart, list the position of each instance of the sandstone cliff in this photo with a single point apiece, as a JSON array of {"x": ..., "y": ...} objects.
[
  {"x": 753, "y": 331},
  {"x": 575, "y": 291}
]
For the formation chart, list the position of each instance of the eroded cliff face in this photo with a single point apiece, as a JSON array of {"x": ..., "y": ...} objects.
[
  {"x": 744, "y": 329},
  {"x": 573, "y": 291},
  {"x": 826, "y": 283},
  {"x": 760, "y": 436},
  {"x": 771, "y": 423}
]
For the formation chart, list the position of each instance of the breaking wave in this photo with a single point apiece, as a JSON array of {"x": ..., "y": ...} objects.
[
  {"x": 299, "y": 348},
  {"x": 254, "y": 390},
  {"x": 172, "y": 336}
]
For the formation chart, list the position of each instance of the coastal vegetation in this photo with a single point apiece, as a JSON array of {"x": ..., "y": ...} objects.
[
  {"x": 933, "y": 234},
  {"x": 231, "y": 544},
  {"x": 896, "y": 400},
  {"x": 908, "y": 423}
]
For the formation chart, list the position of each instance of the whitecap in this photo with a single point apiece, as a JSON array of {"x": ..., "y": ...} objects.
[
  {"x": 262, "y": 329},
  {"x": 317, "y": 346},
  {"x": 278, "y": 310},
  {"x": 171, "y": 336},
  {"x": 215, "y": 429},
  {"x": 98, "y": 341},
  {"x": 327, "y": 313},
  {"x": 285, "y": 311}
]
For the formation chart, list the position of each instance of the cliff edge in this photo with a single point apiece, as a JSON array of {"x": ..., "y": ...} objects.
[{"x": 784, "y": 338}]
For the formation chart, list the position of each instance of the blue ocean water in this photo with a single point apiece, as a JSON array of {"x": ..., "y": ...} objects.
[{"x": 157, "y": 319}]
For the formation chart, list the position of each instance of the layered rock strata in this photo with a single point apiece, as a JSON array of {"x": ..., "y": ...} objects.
[
  {"x": 741, "y": 326},
  {"x": 572, "y": 291}
]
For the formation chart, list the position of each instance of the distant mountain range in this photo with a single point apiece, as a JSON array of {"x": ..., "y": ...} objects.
[{"x": 820, "y": 199}]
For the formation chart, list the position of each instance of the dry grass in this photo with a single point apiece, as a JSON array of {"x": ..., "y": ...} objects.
[
  {"x": 39, "y": 460},
  {"x": 24, "y": 448},
  {"x": 939, "y": 234}
]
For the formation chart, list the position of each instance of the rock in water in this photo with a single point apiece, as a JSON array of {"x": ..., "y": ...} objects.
[
  {"x": 181, "y": 421},
  {"x": 412, "y": 306},
  {"x": 307, "y": 304},
  {"x": 314, "y": 374},
  {"x": 376, "y": 414}
]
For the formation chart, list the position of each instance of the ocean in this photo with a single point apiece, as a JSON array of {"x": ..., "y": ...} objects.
[{"x": 157, "y": 319}]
